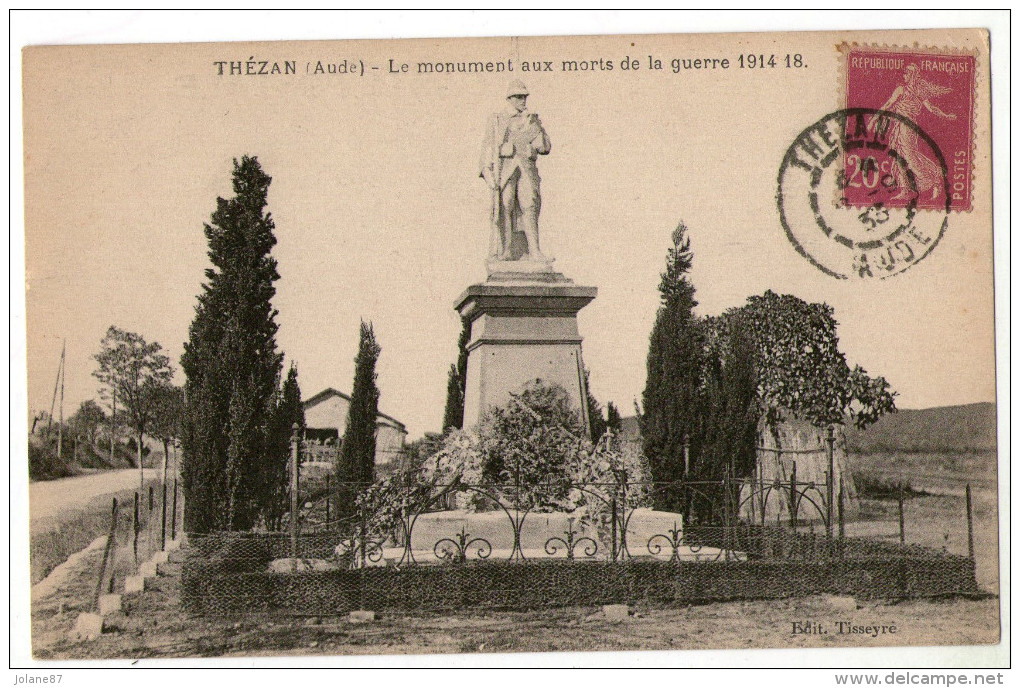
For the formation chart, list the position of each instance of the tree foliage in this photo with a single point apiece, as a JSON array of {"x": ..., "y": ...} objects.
[
  {"x": 799, "y": 365},
  {"x": 356, "y": 465},
  {"x": 86, "y": 421},
  {"x": 453, "y": 413},
  {"x": 596, "y": 421},
  {"x": 134, "y": 370},
  {"x": 231, "y": 362},
  {"x": 166, "y": 422},
  {"x": 730, "y": 424},
  {"x": 614, "y": 422},
  {"x": 289, "y": 411},
  {"x": 166, "y": 425},
  {"x": 672, "y": 398}
]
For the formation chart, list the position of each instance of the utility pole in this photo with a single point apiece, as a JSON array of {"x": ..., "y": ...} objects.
[
  {"x": 113, "y": 423},
  {"x": 60, "y": 427},
  {"x": 294, "y": 439}
]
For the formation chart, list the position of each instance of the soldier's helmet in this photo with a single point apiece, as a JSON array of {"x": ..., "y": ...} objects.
[{"x": 516, "y": 88}]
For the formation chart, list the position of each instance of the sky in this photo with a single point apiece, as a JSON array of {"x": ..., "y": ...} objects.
[{"x": 380, "y": 214}]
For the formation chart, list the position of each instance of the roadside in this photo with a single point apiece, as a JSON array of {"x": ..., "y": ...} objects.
[{"x": 72, "y": 512}]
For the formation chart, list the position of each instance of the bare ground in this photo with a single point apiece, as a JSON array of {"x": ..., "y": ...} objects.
[{"x": 154, "y": 625}]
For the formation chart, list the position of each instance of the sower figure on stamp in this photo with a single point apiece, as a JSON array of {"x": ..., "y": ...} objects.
[{"x": 514, "y": 139}]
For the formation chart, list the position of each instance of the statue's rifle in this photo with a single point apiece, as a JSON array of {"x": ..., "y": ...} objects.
[{"x": 506, "y": 231}]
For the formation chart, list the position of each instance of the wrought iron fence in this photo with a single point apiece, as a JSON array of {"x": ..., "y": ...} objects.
[{"x": 461, "y": 522}]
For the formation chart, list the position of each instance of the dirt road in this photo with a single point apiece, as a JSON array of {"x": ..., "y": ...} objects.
[{"x": 48, "y": 499}]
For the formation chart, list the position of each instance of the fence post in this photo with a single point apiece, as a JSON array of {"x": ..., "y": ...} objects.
[
  {"x": 970, "y": 525},
  {"x": 107, "y": 553},
  {"x": 793, "y": 497},
  {"x": 173, "y": 516},
  {"x": 162, "y": 533},
  {"x": 842, "y": 522},
  {"x": 327, "y": 500},
  {"x": 149, "y": 536},
  {"x": 726, "y": 511},
  {"x": 831, "y": 440},
  {"x": 293, "y": 494},
  {"x": 899, "y": 499},
  {"x": 364, "y": 539},
  {"x": 753, "y": 487},
  {"x": 135, "y": 529},
  {"x": 613, "y": 519},
  {"x": 624, "y": 552}
]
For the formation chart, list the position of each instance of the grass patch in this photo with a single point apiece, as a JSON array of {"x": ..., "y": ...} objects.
[{"x": 871, "y": 486}]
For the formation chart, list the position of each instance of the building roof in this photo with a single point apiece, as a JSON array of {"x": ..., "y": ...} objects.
[{"x": 329, "y": 393}]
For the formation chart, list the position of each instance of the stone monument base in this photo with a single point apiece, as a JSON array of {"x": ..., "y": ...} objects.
[{"x": 523, "y": 321}]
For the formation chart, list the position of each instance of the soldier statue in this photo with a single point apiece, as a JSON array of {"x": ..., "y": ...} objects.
[{"x": 514, "y": 139}]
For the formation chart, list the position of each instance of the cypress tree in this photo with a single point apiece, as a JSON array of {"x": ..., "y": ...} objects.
[
  {"x": 456, "y": 383},
  {"x": 276, "y": 470},
  {"x": 595, "y": 420},
  {"x": 730, "y": 428},
  {"x": 453, "y": 414},
  {"x": 613, "y": 420},
  {"x": 231, "y": 362},
  {"x": 356, "y": 469},
  {"x": 672, "y": 398}
]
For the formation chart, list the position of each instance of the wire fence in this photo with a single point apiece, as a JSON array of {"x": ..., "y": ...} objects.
[{"x": 492, "y": 547}]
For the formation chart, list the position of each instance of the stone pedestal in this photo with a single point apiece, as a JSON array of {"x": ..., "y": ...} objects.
[{"x": 523, "y": 327}]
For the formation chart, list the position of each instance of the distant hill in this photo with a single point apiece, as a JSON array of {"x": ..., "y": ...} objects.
[{"x": 967, "y": 428}]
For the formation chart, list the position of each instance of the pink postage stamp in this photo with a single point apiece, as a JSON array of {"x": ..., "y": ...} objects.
[{"x": 927, "y": 122}]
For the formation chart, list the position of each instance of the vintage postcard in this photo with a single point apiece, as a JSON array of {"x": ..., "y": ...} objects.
[{"x": 499, "y": 345}]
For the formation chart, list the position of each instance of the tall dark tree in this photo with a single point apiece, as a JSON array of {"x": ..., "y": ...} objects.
[
  {"x": 356, "y": 465},
  {"x": 730, "y": 428},
  {"x": 453, "y": 413},
  {"x": 231, "y": 362},
  {"x": 613, "y": 420},
  {"x": 596, "y": 422},
  {"x": 456, "y": 383},
  {"x": 276, "y": 471},
  {"x": 672, "y": 396}
]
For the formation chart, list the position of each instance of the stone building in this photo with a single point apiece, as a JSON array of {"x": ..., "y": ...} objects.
[{"x": 326, "y": 422}]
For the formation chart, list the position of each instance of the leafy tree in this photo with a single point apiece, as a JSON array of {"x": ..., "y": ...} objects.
[
  {"x": 134, "y": 370},
  {"x": 800, "y": 369},
  {"x": 231, "y": 362},
  {"x": 356, "y": 466},
  {"x": 276, "y": 468},
  {"x": 534, "y": 441},
  {"x": 86, "y": 421},
  {"x": 672, "y": 397},
  {"x": 456, "y": 386},
  {"x": 596, "y": 421},
  {"x": 166, "y": 421}
]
